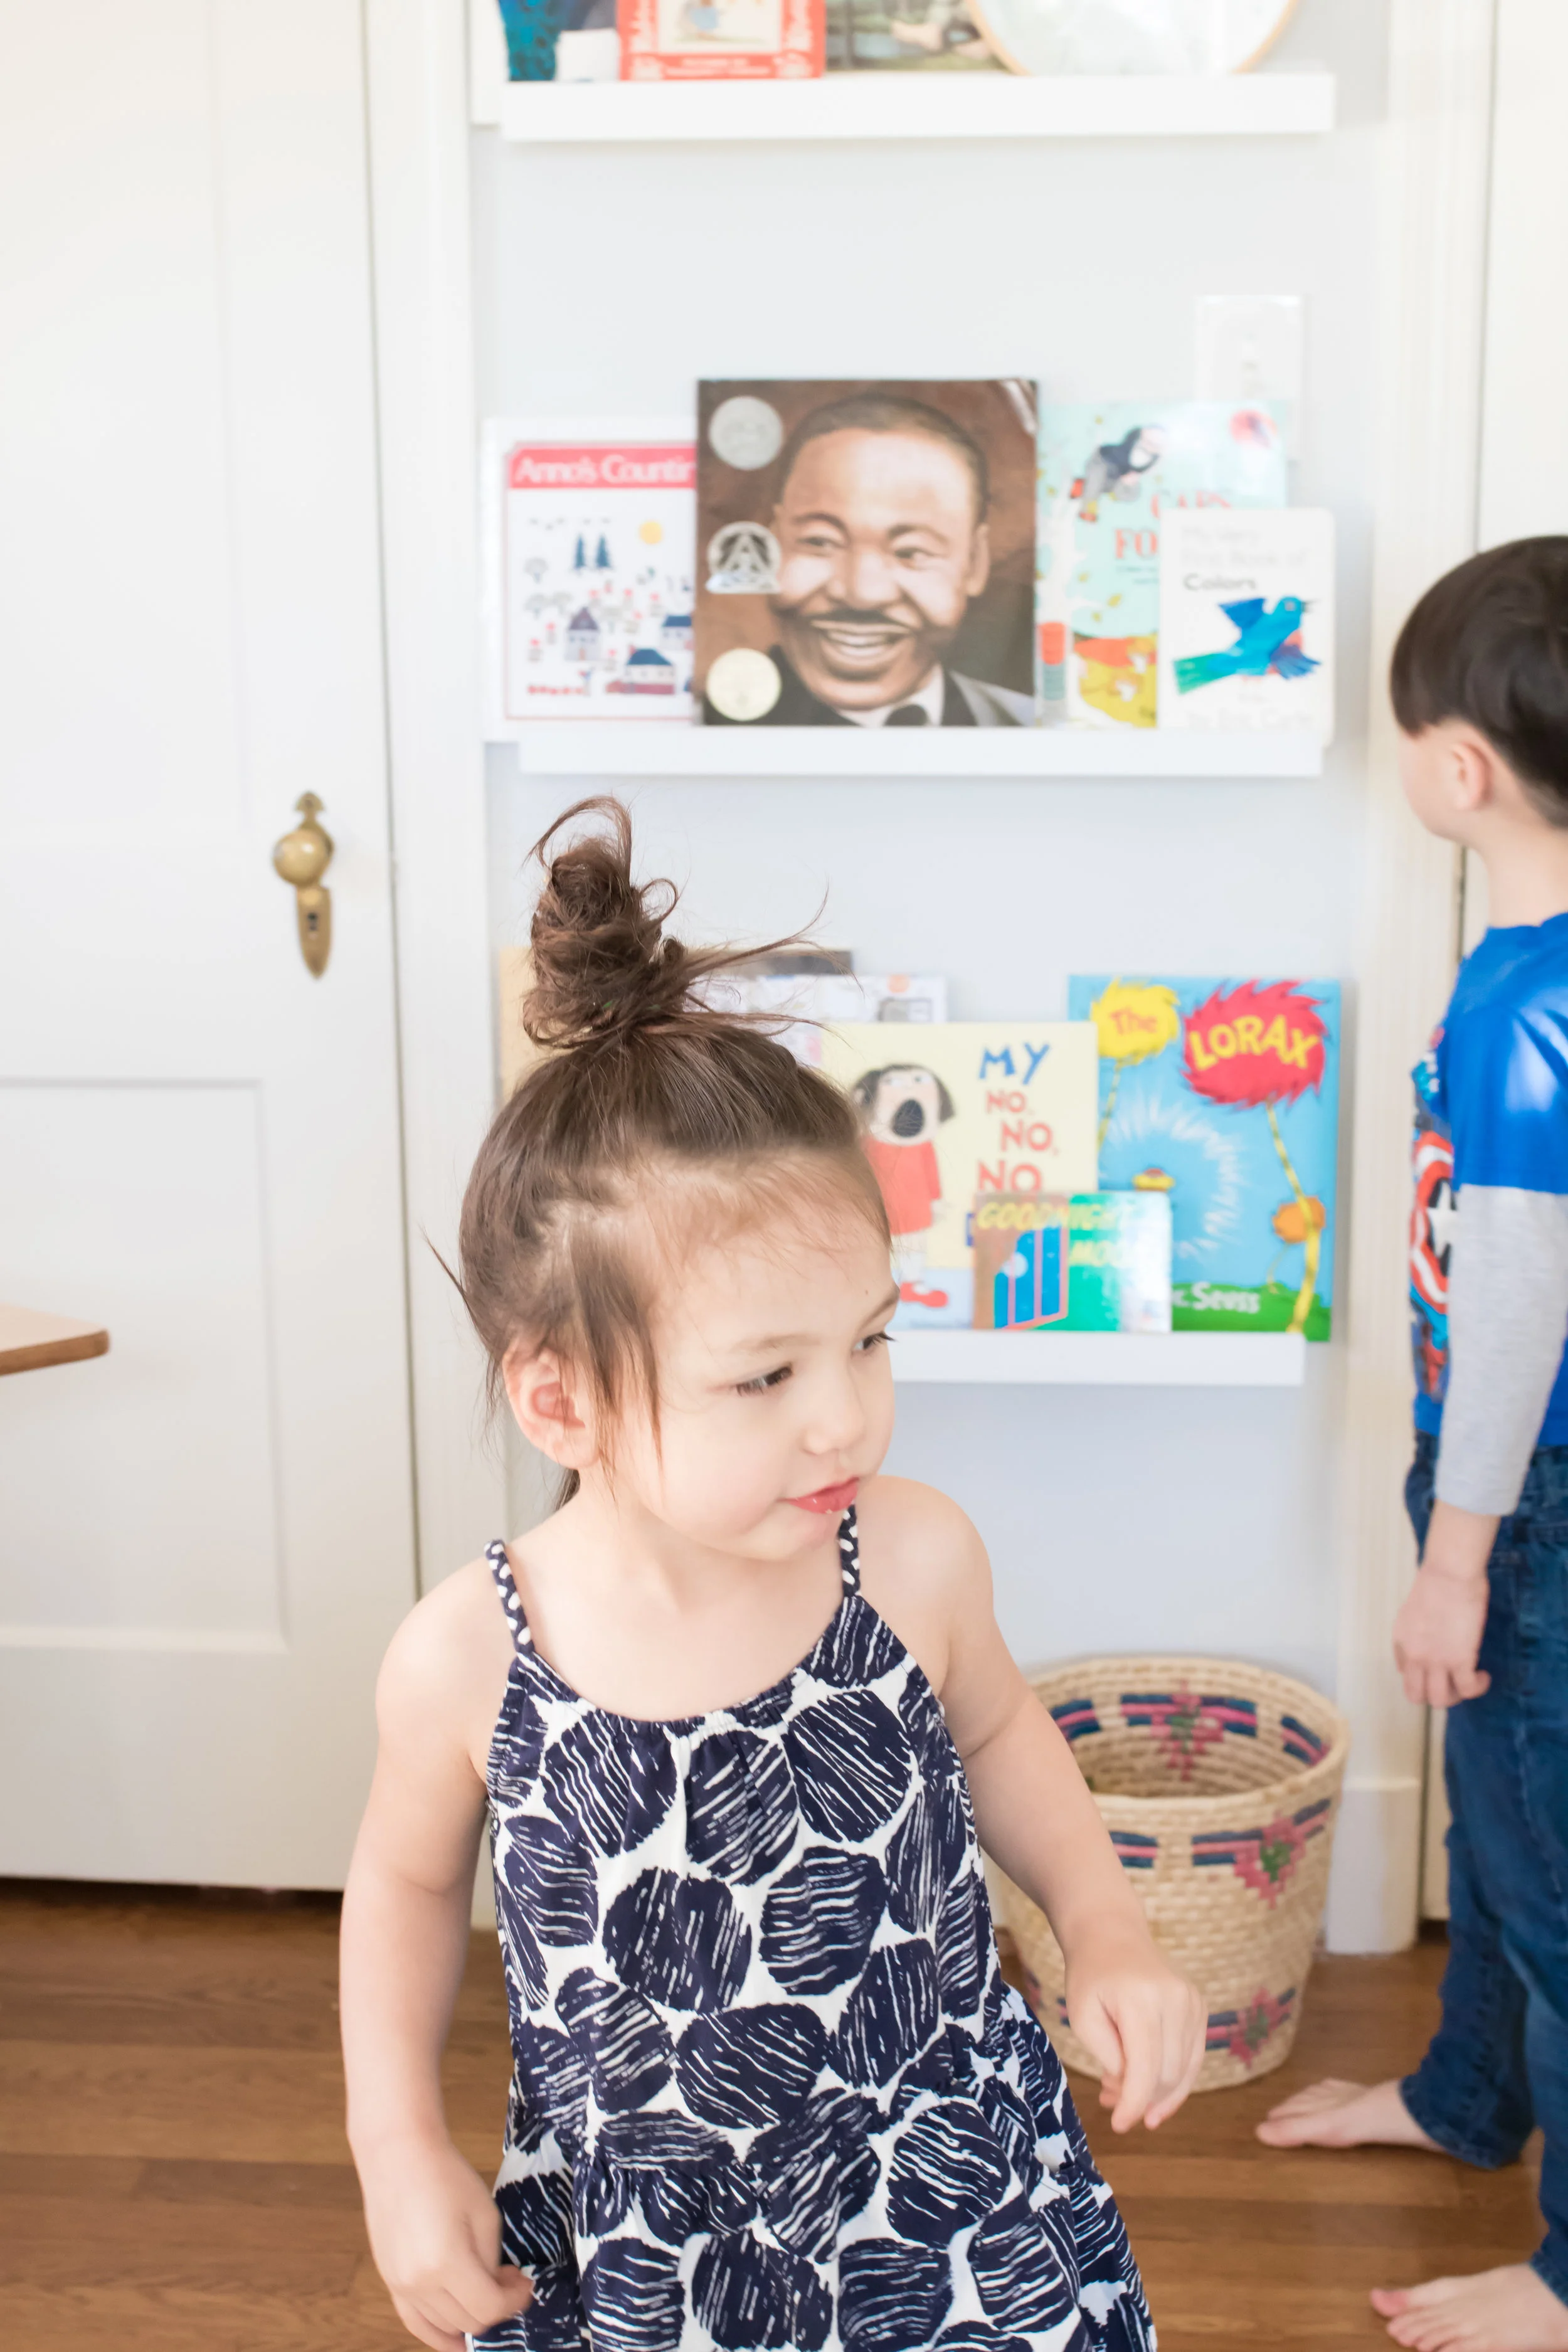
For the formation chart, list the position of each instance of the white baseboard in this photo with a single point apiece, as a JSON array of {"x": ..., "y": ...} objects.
[{"x": 1375, "y": 1882}]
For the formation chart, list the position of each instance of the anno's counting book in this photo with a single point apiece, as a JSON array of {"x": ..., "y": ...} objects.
[{"x": 1225, "y": 1093}]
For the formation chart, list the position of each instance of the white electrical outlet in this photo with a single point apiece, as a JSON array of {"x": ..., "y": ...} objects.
[{"x": 1252, "y": 347}]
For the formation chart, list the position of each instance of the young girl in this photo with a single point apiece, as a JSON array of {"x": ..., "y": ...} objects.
[{"x": 729, "y": 1711}]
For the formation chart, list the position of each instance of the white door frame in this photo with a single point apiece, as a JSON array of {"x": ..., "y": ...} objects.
[
  {"x": 1434, "y": 262},
  {"x": 417, "y": 62}
]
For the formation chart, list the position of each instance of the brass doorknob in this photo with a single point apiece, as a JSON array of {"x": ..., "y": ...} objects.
[{"x": 301, "y": 857}]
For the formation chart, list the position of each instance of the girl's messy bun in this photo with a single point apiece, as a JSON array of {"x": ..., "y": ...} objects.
[
  {"x": 602, "y": 965},
  {"x": 648, "y": 1100}
]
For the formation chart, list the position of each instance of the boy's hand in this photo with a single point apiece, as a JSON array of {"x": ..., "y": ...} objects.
[
  {"x": 435, "y": 2236},
  {"x": 1437, "y": 1633},
  {"x": 1143, "y": 2022}
]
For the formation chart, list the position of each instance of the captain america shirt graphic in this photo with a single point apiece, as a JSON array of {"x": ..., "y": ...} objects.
[{"x": 1432, "y": 1219}]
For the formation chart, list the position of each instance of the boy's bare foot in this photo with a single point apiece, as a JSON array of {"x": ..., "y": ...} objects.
[
  {"x": 1344, "y": 2114},
  {"x": 1509, "y": 2310}
]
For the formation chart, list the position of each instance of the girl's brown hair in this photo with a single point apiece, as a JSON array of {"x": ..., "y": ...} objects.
[{"x": 653, "y": 1117}]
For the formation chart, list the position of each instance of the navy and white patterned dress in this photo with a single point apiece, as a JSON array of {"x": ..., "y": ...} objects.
[{"x": 771, "y": 2094}]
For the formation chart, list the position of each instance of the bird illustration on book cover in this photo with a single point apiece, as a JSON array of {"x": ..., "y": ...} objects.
[
  {"x": 1223, "y": 1095},
  {"x": 1267, "y": 639}
]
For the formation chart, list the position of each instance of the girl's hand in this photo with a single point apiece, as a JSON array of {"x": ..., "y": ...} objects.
[
  {"x": 1143, "y": 2022},
  {"x": 435, "y": 2236}
]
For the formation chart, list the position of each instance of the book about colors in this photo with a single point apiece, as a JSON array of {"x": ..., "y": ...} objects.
[
  {"x": 957, "y": 1110},
  {"x": 1223, "y": 1095},
  {"x": 1246, "y": 619}
]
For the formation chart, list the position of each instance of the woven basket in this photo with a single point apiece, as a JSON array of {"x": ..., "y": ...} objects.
[{"x": 1220, "y": 1785}]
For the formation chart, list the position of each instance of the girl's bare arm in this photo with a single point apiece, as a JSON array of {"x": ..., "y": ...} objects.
[
  {"x": 434, "y": 2227},
  {"x": 1034, "y": 1815}
]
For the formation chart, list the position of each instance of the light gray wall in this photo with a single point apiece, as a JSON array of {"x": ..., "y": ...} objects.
[{"x": 607, "y": 280}]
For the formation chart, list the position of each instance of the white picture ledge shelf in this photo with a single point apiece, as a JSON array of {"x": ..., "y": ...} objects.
[
  {"x": 922, "y": 106},
  {"x": 632, "y": 747},
  {"x": 1217, "y": 1360}
]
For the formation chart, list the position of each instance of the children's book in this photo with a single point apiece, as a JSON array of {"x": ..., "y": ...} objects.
[
  {"x": 907, "y": 36},
  {"x": 590, "y": 571},
  {"x": 721, "y": 41},
  {"x": 1246, "y": 619},
  {"x": 1098, "y": 1262},
  {"x": 561, "y": 40},
  {"x": 805, "y": 1001},
  {"x": 866, "y": 552},
  {"x": 959, "y": 1108},
  {"x": 801, "y": 1000},
  {"x": 1109, "y": 476},
  {"x": 1224, "y": 1095}
]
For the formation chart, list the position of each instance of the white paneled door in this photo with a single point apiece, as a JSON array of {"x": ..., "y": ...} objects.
[{"x": 205, "y": 1536}]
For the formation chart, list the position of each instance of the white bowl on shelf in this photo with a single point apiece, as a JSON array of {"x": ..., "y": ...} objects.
[{"x": 1130, "y": 36}]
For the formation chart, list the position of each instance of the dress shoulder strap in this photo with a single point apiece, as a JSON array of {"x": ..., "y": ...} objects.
[
  {"x": 510, "y": 1599},
  {"x": 850, "y": 1551}
]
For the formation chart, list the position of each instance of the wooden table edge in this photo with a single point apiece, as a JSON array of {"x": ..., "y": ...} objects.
[{"x": 74, "y": 1349}]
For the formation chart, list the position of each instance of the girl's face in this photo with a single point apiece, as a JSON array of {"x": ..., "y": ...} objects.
[{"x": 775, "y": 1387}]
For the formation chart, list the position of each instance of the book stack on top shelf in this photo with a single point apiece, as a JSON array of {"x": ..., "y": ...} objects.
[{"x": 567, "y": 72}]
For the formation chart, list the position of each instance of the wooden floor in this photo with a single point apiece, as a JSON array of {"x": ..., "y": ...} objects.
[{"x": 173, "y": 2171}]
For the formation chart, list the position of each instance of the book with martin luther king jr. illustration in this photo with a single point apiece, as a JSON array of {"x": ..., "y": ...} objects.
[{"x": 866, "y": 553}]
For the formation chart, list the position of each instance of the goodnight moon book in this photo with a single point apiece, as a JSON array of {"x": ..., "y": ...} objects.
[
  {"x": 954, "y": 1111},
  {"x": 1223, "y": 1095}
]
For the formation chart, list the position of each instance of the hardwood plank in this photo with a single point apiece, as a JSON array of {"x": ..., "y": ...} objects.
[
  {"x": 1197, "y": 2220},
  {"x": 62, "y": 2098},
  {"x": 141, "y": 2318},
  {"x": 315, "y": 2188},
  {"x": 93, "y": 2179},
  {"x": 222, "y": 1967},
  {"x": 1376, "y": 2177},
  {"x": 48, "y": 2242}
]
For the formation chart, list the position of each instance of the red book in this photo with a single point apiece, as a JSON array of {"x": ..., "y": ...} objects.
[{"x": 721, "y": 41}]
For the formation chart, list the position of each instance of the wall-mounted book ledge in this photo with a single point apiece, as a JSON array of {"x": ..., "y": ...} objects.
[
  {"x": 923, "y": 106},
  {"x": 635, "y": 748},
  {"x": 1218, "y": 1360}
]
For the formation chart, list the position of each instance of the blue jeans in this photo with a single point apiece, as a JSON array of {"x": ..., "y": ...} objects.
[{"x": 1498, "y": 2062}]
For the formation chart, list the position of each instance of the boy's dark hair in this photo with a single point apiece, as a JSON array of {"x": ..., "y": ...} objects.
[
  {"x": 652, "y": 1119},
  {"x": 1489, "y": 644}
]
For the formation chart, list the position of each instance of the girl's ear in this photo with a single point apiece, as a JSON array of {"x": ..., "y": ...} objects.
[{"x": 548, "y": 1406}]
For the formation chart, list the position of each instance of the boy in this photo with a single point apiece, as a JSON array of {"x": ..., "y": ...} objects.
[{"x": 1480, "y": 692}]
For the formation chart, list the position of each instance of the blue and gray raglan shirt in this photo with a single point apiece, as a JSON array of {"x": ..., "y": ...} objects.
[{"x": 1488, "y": 1242}]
